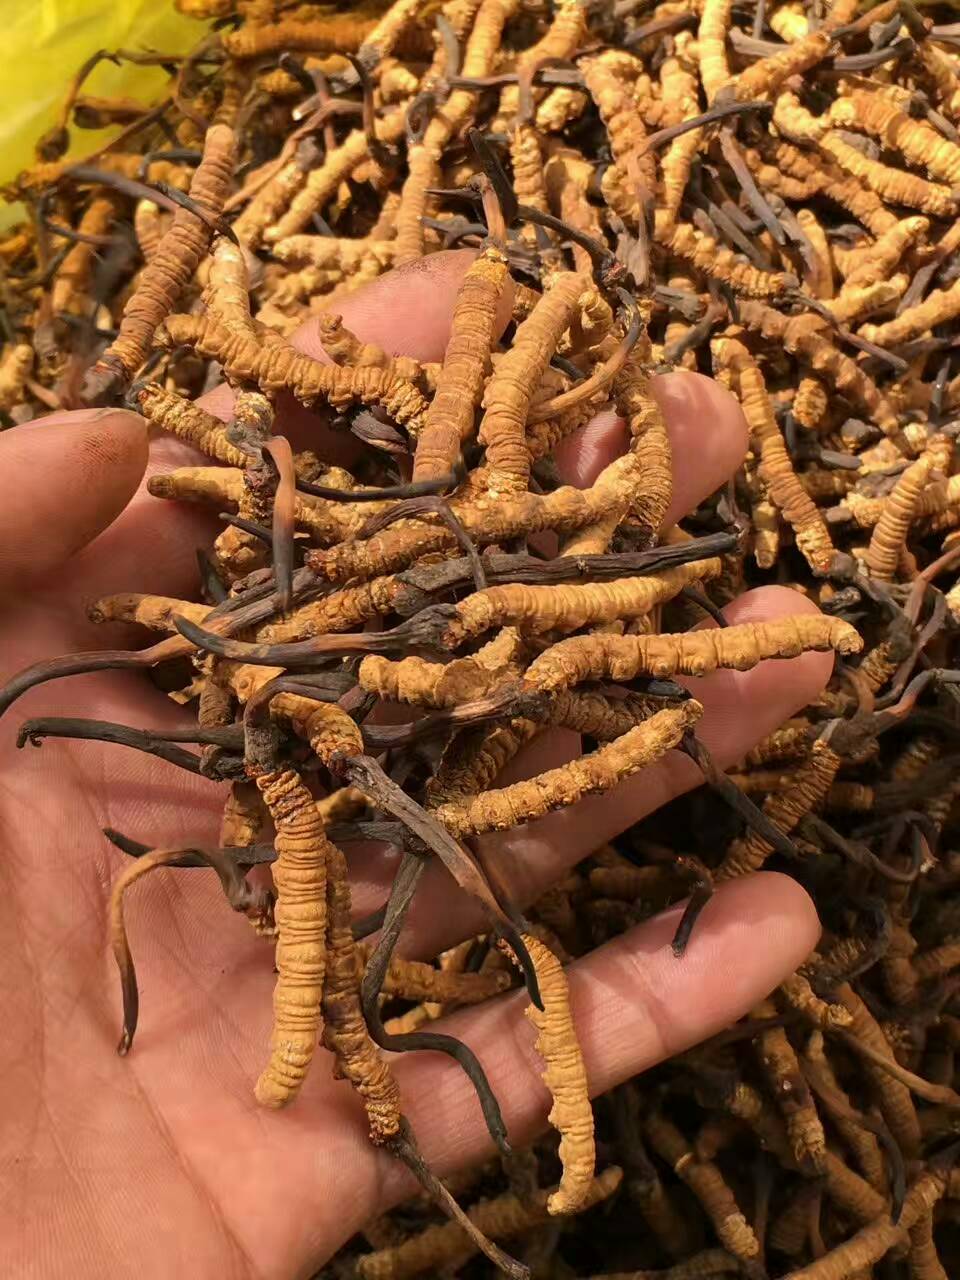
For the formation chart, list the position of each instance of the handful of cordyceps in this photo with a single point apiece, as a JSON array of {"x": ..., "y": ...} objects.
[{"x": 763, "y": 192}]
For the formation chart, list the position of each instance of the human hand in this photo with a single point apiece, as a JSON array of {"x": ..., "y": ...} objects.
[{"x": 163, "y": 1161}]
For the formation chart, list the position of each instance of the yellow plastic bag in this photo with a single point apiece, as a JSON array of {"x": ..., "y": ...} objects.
[{"x": 45, "y": 42}]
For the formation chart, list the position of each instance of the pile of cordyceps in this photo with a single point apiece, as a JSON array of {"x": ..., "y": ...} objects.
[{"x": 766, "y": 192}]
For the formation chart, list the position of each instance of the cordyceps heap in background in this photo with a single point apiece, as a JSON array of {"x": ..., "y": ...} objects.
[{"x": 768, "y": 193}]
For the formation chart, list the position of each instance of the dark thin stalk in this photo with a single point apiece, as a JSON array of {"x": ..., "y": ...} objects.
[
  {"x": 696, "y": 335},
  {"x": 703, "y": 601},
  {"x": 740, "y": 170},
  {"x": 398, "y": 904},
  {"x": 75, "y": 664},
  {"x": 371, "y": 430},
  {"x": 160, "y": 193},
  {"x": 212, "y": 586},
  {"x": 937, "y": 394},
  {"x": 472, "y": 232},
  {"x": 496, "y": 174},
  {"x": 507, "y": 702},
  {"x": 405, "y": 1149},
  {"x": 920, "y": 282},
  {"x": 418, "y": 115},
  {"x": 380, "y": 152},
  {"x": 722, "y": 222},
  {"x": 609, "y": 271},
  {"x": 754, "y": 46},
  {"x": 75, "y": 237},
  {"x": 255, "y": 855},
  {"x": 294, "y": 67},
  {"x": 872, "y": 349},
  {"x": 218, "y": 767},
  {"x": 901, "y": 51},
  {"x": 427, "y": 627},
  {"x": 658, "y": 27},
  {"x": 874, "y": 1124},
  {"x": 700, "y": 895},
  {"x": 813, "y": 827},
  {"x": 153, "y": 743},
  {"x": 242, "y": 896},
  {"x": 259, "y": 531},
  {"x": 687, "y": 304},
  {"x": 718, "y": 112}
]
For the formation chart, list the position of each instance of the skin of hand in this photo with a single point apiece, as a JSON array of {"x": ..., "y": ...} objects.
[{"x": 162, "y": 1161}]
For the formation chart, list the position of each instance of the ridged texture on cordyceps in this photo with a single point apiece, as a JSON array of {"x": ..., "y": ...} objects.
[
  {"x": 599, "y": 771},
  {"x": 693, "y": 653},
  {"x": 565, "y": 1075},
  {"x": 172, "y": 266},
  {"x": 764, "y": 78},
  {"x": 776, "y": 467},
  {"x": 276, "y": 366},
  {"x": 449, "y": 421},
  {"x": 889, "y": 535},
  {"x": 300, "y": 878},
  {"x": 507, "y": 396},
  {"x": 345, "y": 1031},
  {"x": 438, "y": 1247},
  {"x": 809, "y": 785},
  {"x": 568, "y": 608}
]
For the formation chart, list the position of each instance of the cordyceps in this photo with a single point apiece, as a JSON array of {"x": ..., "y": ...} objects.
[{"x": 763, "y": 194}]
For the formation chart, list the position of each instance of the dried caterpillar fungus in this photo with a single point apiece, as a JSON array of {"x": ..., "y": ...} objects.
[
  {"x": 890, "y": 531},
  {"x": 599, "y": 771},
  {"x": 301, "y": 915},
  {"x": 696, "y": 653},
  {"x": 569, "y": 608},
  {"x": 344, "y": 1031},
  {"x": 810, "y": 529},
  {"x": 566, "y": 1077},
  {"x": 449, "y": 420},
  {"x": 177, "y": 257},
  {"x": 764, "y": 78},
  {"x": 276, "y": 366},
  {"x": 507, "y": 394}
]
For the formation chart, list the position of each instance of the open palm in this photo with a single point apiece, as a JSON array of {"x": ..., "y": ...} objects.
[{"x": 162, "y": 1161}]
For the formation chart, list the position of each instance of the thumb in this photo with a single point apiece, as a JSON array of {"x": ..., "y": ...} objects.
[{"x": 63, "y": 480}]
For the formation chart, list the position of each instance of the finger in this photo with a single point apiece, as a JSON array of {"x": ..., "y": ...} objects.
[
  {"x": 153, "y": 546},
  {"x": 708, "y": 438},
  {"x": 634, "y": 1004},
  {"x": 740, "y": 708},
  {"x": 64, "y": 478}
]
